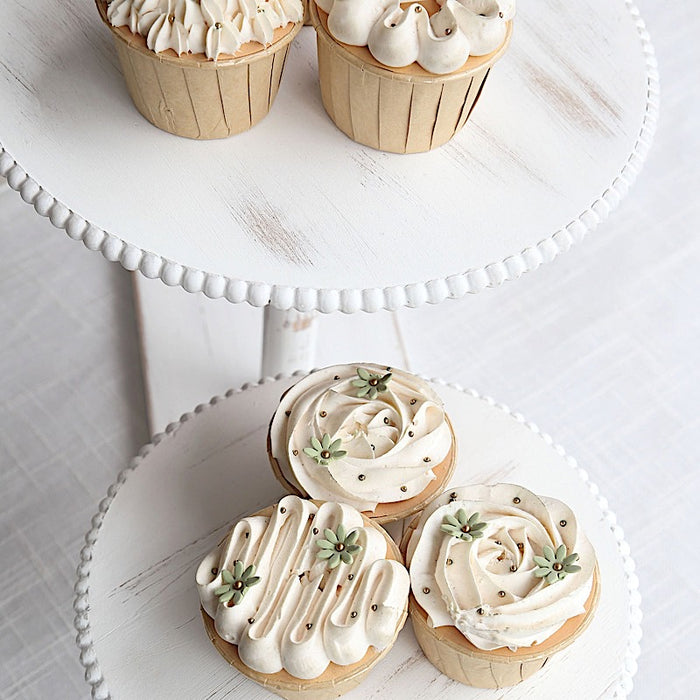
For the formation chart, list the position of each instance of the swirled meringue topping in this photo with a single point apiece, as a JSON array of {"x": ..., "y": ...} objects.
[
  {"x": 381, "y": 445},
  {"x": 304, "y": 613},
  {"x": 490, "y": 587},
  {"x": 211, "y": 27},
  {"x": 440, "y": 43}
]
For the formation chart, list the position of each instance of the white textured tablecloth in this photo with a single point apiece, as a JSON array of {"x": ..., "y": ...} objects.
[{"x": 600, "y": 349}]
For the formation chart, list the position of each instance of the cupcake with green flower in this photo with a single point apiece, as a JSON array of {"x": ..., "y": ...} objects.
[
  {"x": 303, "y": 596},
  {"x": 373, "y": 436},
  {"x": 501, "y": 579}
]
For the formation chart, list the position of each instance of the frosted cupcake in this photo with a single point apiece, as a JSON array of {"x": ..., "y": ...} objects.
[
  {"x": 304, "y": 598},
  {"x": 204, "y": 69},
  {"x": 371, "y": 436},
  {"x": 406, "y": 77},
  {"x": 501, "y": 580}
]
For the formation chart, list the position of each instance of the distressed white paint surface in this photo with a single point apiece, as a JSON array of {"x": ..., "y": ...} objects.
[
  {"x": 212, "y": 469},
  {"x": 294, "y": 203}
]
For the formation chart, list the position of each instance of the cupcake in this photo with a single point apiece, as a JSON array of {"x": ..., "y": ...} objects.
[
  {"x": 370, "y": 436},
  {"x": 304, "y": 598},
  {"x": 204, "y": 69},
  {"x": 405, "y": 78},
  {"x": 501, "y": 579}
]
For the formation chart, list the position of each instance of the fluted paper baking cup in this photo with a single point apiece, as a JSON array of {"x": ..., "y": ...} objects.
[
  {"x": 196, "y": 97},
  {"x": 336, "y": 680},
  {"x": 452, "y": 654},
  {"x": 405, "y": 110}
]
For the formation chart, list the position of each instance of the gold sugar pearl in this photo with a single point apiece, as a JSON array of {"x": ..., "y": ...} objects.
[
  {"x": 516, "y": 500},
  {"x": 411, "y": 433},
  {"x": 419, "y": 9},
  {"x": 513, "y": 568},
  {"x": 499, "y": 543},
  {"x": 295, "y": 452},
  {"x": 413, "y": 401},
  {"x": 171, "y": 18},
  {"x": 218, "y": 25},
  {"x": 315, "y": 531},
  {"x": 449, "y": 562},
  {"x": 323, "y": 414},
  {"x": 351, "y": 577},
  {"x": 361, "y": 477},
  {"x": 251, "y": 620},
  {"x": 426, "y": 590},
  {"x": 386, "y": 421},
  {"x": 287, "y": 413},
  {"x": 426, "y": 459},
  {"x": 448, "y": 31},
  {"x": 283, "y": 510},
  {"x": 521, "y": 546},
  {"x": 501, "y": 594},
  {"x": 353, "y": 614},
  {"x": 562, "y": 523},
  {"x": 374, "y": 607},
  {"x": 336, "y": 377},
  {"x": 500, "y": 14},
  {"x": 309, "y": 625},
  {"x": 214, "y": 571},
  {"x": 404, "y": 489},
  {"x": 479, "y": 611}
]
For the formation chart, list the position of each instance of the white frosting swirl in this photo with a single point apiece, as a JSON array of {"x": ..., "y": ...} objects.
[
  {"x": 493, "y": 574},
  {"x": 305, "y": 616},
  {"x": 392, "y": 441},
  {"x": 441, "y": 43},
  {"x": 211, "y": 27}
]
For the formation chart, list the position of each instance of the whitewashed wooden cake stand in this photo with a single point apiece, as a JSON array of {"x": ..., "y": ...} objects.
[
  {"x": 293, "y": 214},
  {"x": 137, "y": 608}
]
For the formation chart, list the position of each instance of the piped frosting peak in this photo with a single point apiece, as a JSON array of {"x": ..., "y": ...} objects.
[
  {"x": 211, "y": 27},
  {"x": 398, "y": 36}
]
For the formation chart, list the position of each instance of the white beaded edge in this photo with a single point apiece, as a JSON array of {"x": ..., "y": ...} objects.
[
  {"x": 81, "y": 603},
  {"x": 307, "y": 299}
]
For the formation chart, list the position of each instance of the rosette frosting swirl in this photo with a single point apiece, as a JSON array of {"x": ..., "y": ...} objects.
[
  {"x": 491, "y": 587},
  {"x": 440, "y": 43},
  {"x": 382, "y": 449},
  {"x": 211, "y": 27},
  {"x": 302, "y": 614}
]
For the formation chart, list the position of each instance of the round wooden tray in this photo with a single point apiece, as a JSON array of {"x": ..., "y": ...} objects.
[
  {"x": 137, "y": 609},
  {"x": 294, "y": 213}
]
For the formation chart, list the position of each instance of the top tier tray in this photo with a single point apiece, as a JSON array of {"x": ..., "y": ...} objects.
[{"x": 293, "y": 213}]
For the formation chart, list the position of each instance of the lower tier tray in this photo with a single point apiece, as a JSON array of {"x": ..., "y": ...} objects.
[{"x": 137, "y": 610}]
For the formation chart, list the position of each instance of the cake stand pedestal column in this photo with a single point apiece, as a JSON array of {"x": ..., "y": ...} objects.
[{"x": 289, "y": 341}]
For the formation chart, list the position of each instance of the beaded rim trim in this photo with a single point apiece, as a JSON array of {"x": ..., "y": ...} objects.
[
  {"x": 305, "y": 299},
  {"x": 81, "y": 604}
]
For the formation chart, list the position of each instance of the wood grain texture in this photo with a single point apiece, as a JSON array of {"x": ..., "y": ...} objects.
[
  {"x": 132, "y": 599},
  {"x": 567, "y": 92}
]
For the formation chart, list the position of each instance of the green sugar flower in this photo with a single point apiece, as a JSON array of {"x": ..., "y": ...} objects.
[
  {"x": 237, "y": 583},
  {"x": 337, "y": 546},
  {"x": 555, "y": 566},
  {"x": 463, "y": 527},
  {"x": 370, "y": 384},
  {"x": 324, "y": 451}
]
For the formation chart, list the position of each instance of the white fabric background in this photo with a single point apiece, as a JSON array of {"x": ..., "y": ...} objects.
[{"x": 599, "y": 348}]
